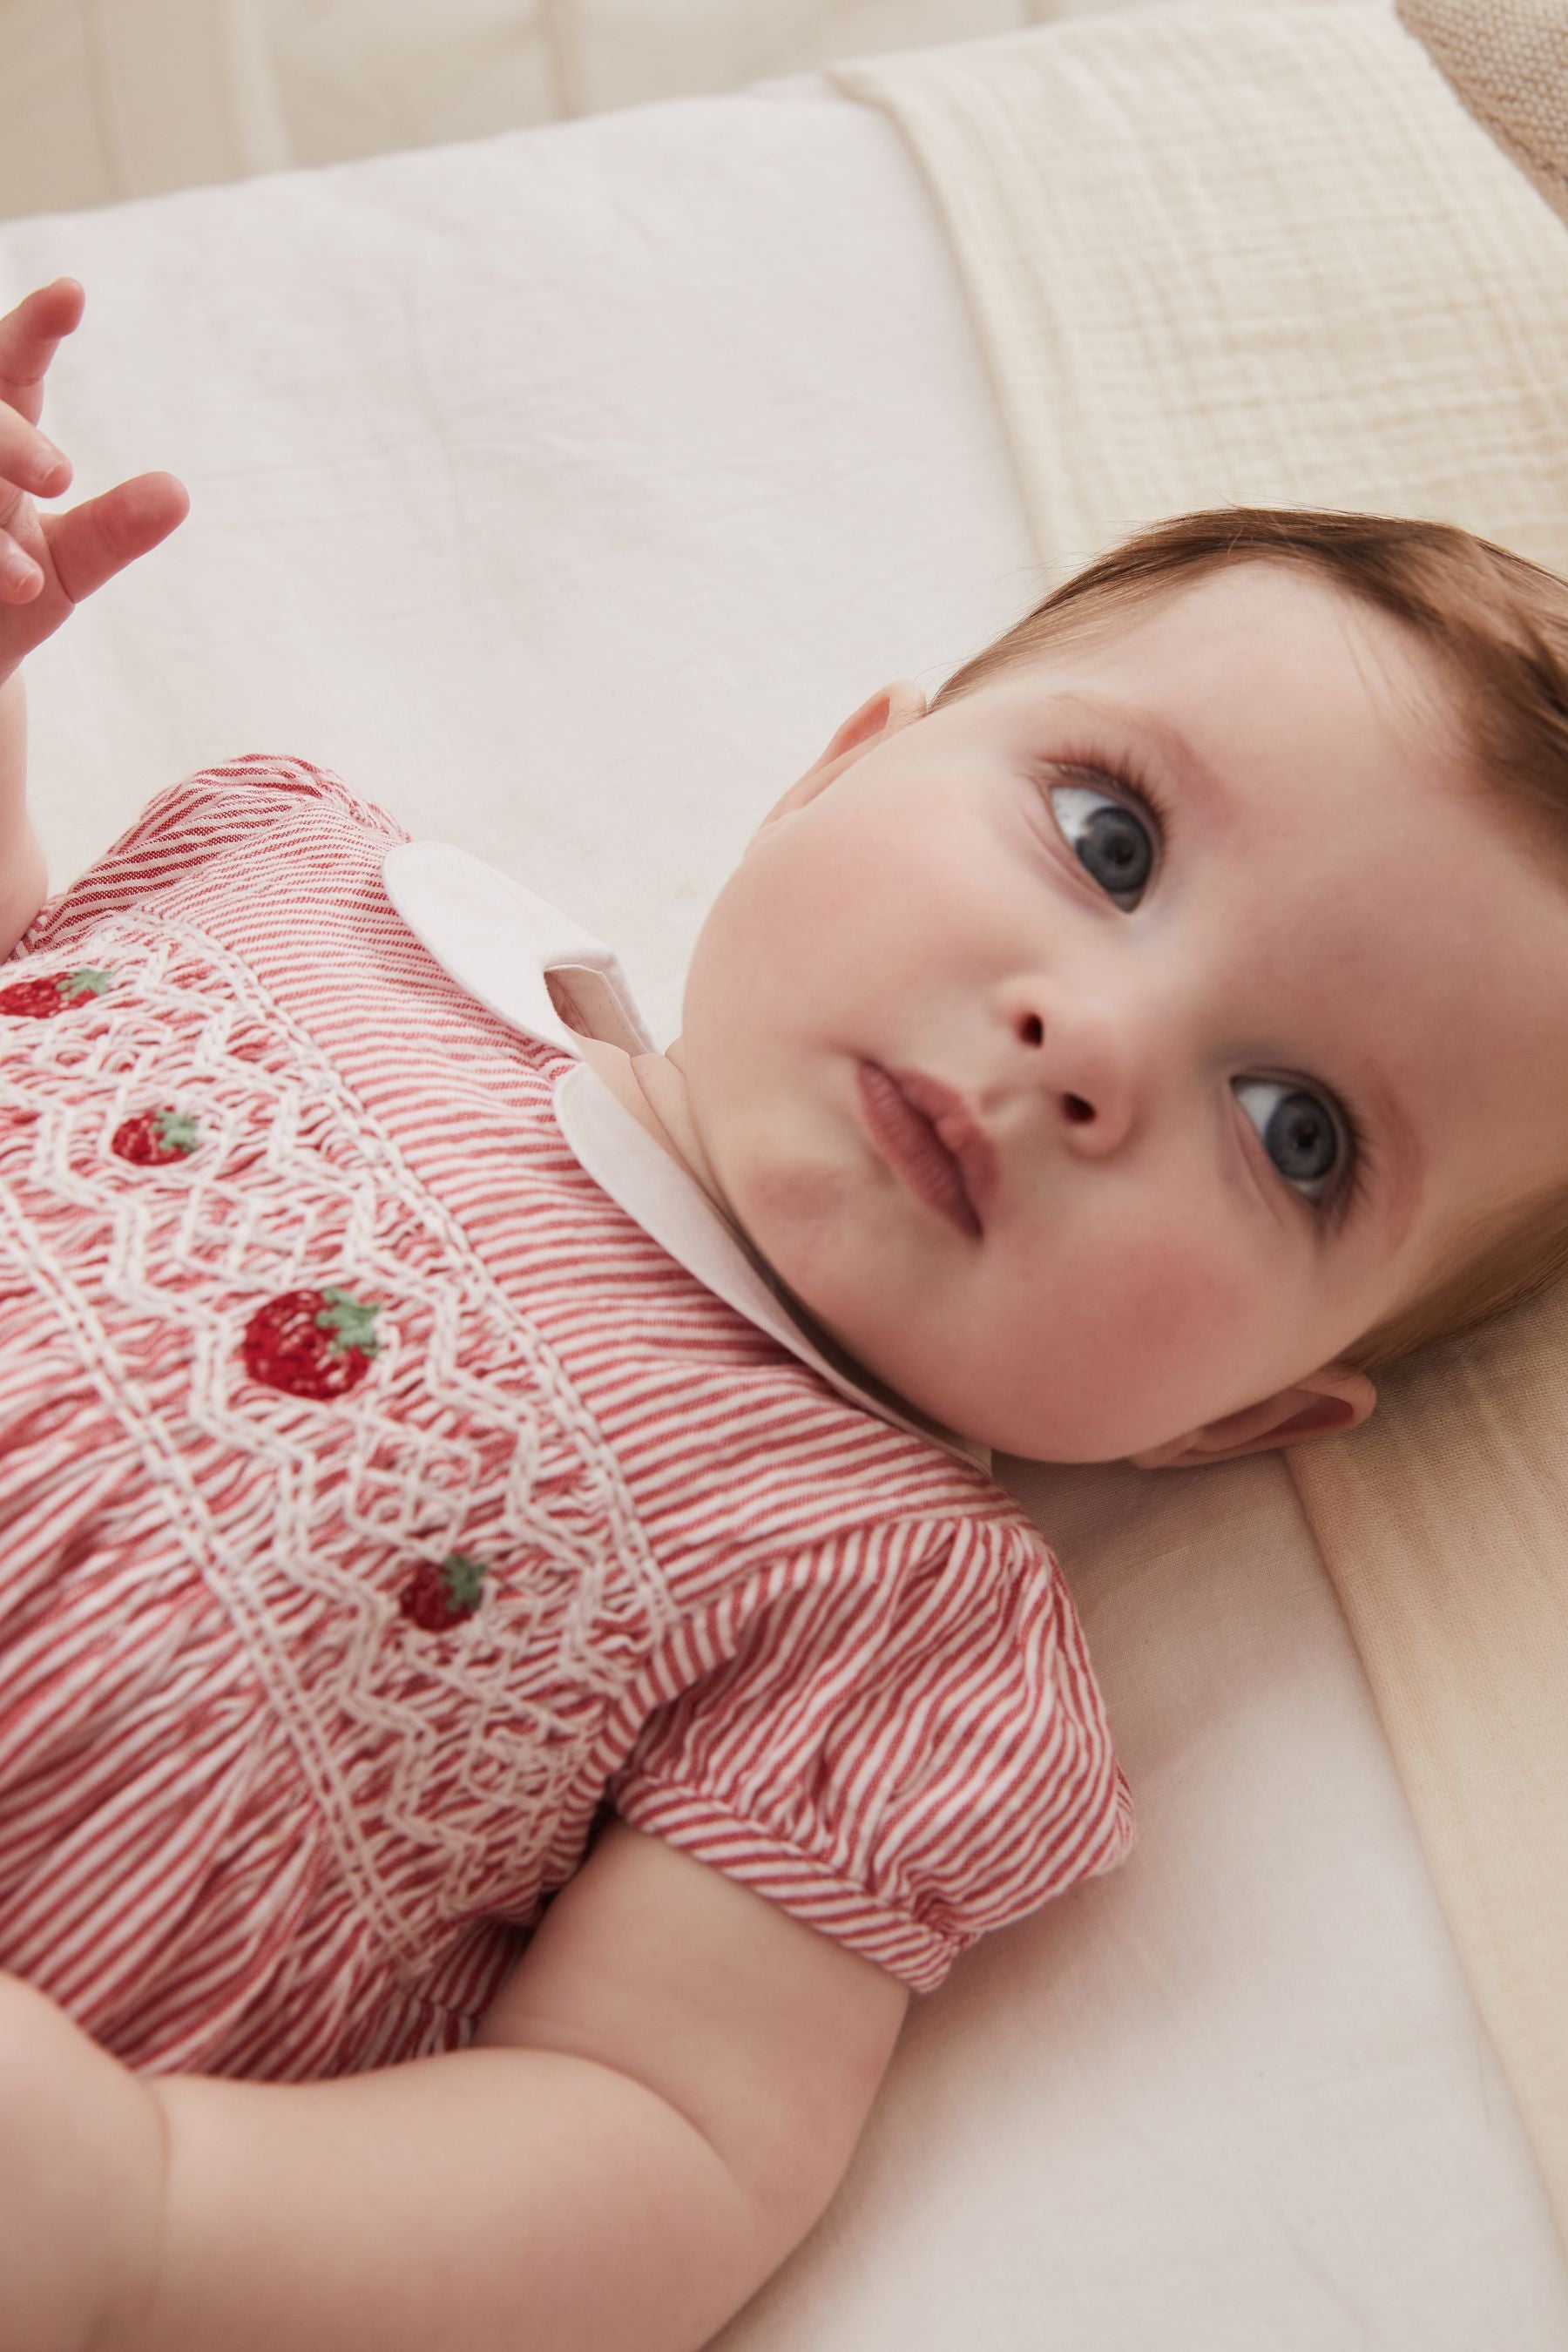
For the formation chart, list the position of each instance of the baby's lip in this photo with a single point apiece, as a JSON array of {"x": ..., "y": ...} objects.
[{"x": 958, "y": 1130}]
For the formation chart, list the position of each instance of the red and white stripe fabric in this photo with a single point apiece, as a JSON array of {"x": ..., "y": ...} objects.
[{"x": 380, "y": 1503}]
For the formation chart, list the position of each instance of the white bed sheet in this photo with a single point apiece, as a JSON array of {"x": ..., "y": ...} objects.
[
  {"x": 546, "y": 486},
  {"x": 563, "y": 491}
]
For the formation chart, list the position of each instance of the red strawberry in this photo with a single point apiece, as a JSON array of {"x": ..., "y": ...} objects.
[
  {"x": 314, "y": 1343},
  {"x": 152, "y": 1136},
  {"x": 44, "y": 998},
  {"x": 442, "y": 1594}
]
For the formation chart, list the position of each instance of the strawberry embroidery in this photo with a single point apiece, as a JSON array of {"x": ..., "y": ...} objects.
[
  {"x": 152, "y": 1136},
  {"x": 313, "y": 1343},
  {"x": 441, "y": 1594},
  {"x": 42, "y": 999}
]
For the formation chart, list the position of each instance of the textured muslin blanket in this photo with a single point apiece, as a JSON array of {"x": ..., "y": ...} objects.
[{"x": 1354, "y": 301}]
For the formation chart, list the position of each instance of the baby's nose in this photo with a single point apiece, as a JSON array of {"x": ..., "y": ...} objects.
[{"x": 1082, "y": 1060}]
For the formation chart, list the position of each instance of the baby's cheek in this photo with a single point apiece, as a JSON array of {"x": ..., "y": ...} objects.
[
  {"x": 1171, "y": 1321},
  {"x": 1174, "y": 1298}
]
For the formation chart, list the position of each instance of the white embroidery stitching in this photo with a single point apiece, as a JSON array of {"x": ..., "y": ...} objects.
[{"x": 427, "y": 1754}]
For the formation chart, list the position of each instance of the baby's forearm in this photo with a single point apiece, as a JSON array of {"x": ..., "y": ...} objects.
[
  {"x": 22, "y": 876},
  {"x": 500, "y": 2199}
]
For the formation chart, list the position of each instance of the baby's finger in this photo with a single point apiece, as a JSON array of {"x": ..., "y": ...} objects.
[
  {"x": 100, "y": 537},
  {"x": 29, "y": 337},
  {"x": 20, "y": 578},
  {"x": 28, "y": 458}
]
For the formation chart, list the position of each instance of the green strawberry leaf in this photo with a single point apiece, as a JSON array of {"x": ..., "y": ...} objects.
[
  {"x": 176, "y": 1130},
  {"x": 351, "y": 1321},
  {"x": 463, "y": 1578}
]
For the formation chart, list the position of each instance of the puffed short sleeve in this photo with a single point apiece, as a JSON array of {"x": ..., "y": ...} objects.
[
  {"x": 898, "y": 1739},
  {"x": 255, "y": 827}
]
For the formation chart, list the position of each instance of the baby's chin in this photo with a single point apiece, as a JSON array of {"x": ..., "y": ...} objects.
[
  {"x": 952, "y": 1381},
  {"x": 853, "y": 1264},
  {"x": 953, "y": 1394}
]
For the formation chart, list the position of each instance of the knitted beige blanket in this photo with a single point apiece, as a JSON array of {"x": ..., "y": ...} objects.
[
  {"x": 1234, "y": 253},
  {"x": 1508, "y": 61}
]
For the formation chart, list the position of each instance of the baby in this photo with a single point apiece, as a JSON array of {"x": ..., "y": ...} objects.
[{"x": 513, "y": 1665}]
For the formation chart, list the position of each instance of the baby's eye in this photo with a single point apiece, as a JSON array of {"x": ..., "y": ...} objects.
[
  {"x": 1109, "y": 839},
  {"x": 1299, "y": 1132}
]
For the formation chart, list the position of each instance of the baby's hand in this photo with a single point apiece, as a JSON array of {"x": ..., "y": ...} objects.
[{"x": 48, "y": 562}]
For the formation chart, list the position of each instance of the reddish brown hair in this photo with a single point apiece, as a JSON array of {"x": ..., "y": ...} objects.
[{"x": 1499, "y": 626}]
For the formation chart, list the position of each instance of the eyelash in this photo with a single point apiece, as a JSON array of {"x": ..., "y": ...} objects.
[
  {"x": 1334, "y": 1208},
  {"x": 1131, "y": 781}
]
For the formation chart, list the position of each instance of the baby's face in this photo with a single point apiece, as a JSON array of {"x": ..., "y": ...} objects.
[{"x": 1163, "y": 1034}]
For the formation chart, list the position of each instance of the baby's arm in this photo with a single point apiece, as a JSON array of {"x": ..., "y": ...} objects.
[
  {"x": 48, "y": 562},
  {"x": 659, "y": 2106}
]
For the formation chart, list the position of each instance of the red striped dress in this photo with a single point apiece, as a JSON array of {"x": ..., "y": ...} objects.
[{"x": 382, "y": 1505}]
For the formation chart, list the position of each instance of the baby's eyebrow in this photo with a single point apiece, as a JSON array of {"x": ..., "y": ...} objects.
[{"x": 1185, "y": 762}]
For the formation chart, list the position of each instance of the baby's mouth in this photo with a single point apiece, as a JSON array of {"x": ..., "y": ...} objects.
[{"x": 907, "y": 1139}]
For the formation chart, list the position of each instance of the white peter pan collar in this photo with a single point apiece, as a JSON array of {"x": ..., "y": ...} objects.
[{"x": 497, "y": 940}]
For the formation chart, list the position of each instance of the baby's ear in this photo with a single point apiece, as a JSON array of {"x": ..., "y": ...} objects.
[
  {"x": 1320, "y": 1406},
  {"x": 882, "y": 713}
]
